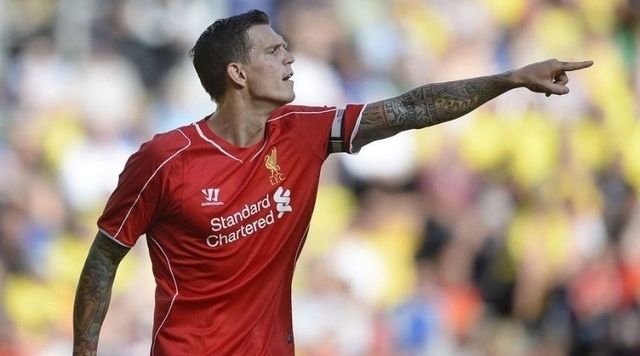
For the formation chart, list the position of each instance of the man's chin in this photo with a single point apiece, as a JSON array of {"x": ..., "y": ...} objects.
[
  {"x": 292, "y": 97},
  {"x": 287, "y": 100},
  {"x": 283, "y": 100}
]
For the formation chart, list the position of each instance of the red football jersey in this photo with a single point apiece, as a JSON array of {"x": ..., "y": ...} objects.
[{"x": 225, "y": 226}]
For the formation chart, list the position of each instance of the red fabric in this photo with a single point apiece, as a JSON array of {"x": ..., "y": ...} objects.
[{"x": 224, "y": 227}]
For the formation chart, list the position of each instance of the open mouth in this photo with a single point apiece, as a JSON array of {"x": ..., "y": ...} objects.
[{"x": 288, "y": 77}]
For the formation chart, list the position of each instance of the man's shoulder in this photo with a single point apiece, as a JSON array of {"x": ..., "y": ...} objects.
[
  {"x": 165, "y": 144},
  {"x": 295, "y": 111}
]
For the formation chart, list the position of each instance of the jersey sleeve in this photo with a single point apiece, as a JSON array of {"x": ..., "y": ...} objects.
[
  {"x": 344, "y": 128},
  {"x": 326, "y": 129},
  {"x": 139, "y": 197}
]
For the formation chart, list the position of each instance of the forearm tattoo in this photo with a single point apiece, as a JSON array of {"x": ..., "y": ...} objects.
[
  {"x": 428, "y": 105},
  {"x": 94, "y": 293}
]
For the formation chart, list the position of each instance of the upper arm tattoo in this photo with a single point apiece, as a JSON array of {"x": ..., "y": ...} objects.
[
  {"x": 427, "y": 105},
  {"x": 94, "y": 292}
]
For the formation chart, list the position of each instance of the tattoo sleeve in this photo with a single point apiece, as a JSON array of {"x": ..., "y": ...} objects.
[
  {"x": 94, "y": 293},
  {"x": 428, "y": 105}
]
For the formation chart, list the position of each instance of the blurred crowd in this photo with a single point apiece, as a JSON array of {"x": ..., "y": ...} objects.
[{"x": 512, "y": 231}]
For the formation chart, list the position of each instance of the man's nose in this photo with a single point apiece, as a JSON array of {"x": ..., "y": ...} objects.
[{"x": 289, "y": 58}]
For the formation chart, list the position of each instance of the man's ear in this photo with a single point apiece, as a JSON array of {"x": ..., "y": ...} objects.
[{"x": 236, "y": 74}]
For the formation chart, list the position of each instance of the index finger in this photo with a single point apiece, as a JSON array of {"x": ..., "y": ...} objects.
[{"x": 568, "y": 66}]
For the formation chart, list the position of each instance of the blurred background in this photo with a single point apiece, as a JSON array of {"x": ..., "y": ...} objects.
[{"x": 512, "y": 231}]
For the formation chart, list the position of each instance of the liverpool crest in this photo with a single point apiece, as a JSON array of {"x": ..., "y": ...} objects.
[{"x": 271, "y": 163}]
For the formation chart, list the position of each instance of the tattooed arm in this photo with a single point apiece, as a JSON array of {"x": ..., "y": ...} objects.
[
  {"x": 94, "y": 293},
  {"x": 440, "y": 102}
]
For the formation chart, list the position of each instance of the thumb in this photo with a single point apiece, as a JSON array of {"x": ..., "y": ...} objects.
[{"x": 557, "y": 89}]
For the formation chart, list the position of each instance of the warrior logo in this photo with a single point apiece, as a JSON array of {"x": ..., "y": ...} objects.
[
  {"x": 211, "y": 197},
  {"x": 271, "y": 163}
]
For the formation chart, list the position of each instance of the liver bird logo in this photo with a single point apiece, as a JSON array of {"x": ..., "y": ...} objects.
[{"x": 271, "y": 163}]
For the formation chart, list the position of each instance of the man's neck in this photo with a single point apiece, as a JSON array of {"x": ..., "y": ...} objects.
[{"x": 238, "y": 123}]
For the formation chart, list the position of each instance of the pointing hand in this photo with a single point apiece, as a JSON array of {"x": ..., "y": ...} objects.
[{"x": 549, "y": 77}]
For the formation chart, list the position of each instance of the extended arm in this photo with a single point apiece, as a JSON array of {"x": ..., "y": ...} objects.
[
  {"x": 440, "y": 102},
  {"x": 94, "y": 293}
]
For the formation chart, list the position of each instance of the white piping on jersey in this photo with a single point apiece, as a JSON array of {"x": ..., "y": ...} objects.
[
  {"x": 355, "y": 130},
  {"x": 301, "y": 112},
  {"x": 215, "y": 144},
  {"x": 149, "y": 180},
  {"x": 155, "y": 337},
  {"x": 306, "y": 231},
  {"x": 113, "y": 238},
  {"x": 202, "y": 135},
  {"x": 264, "y": 144}
]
